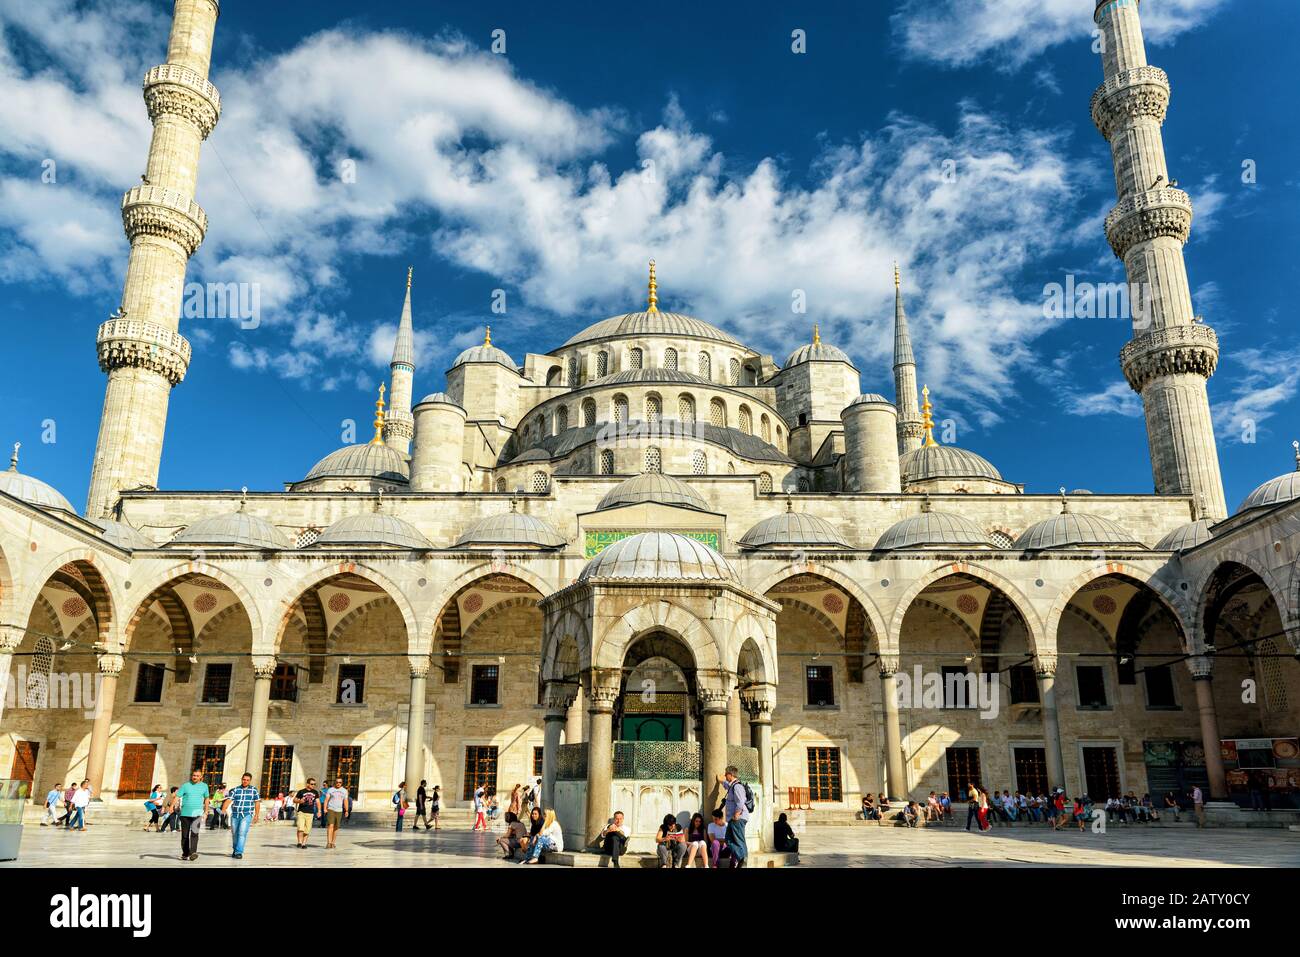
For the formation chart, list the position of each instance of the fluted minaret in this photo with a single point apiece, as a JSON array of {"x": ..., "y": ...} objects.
[
  {"x": 1171, "y": 354},
  {"x": 139, "y": 346},
  {"x": 399, "y": 425},
  {"x": 910, "y": 429}
]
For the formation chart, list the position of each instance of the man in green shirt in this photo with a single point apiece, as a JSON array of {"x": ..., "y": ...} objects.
[{"x": 195, "y": 801}]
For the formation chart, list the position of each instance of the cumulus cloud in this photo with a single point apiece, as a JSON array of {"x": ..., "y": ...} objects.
[{"x": 1263, "y": 380}]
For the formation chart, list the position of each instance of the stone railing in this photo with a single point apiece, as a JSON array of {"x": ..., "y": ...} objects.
[
  {"x": 132, "y": 342},
  {"x": 1174, "y": 350},
  {"x": 1141, "y": 216},
  {"x": 178, "y": 90},
  {"x": 1132, "y": 93},
  {"x": 158, "y": 211}
]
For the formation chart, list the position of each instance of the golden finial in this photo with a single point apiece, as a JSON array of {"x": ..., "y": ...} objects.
[
  {"x": 927, "y": 420},
  {"x": 895, "y": 273},
  {"x": 817, "y": 334},
  {"x": 487, "y": 335},
  {"x": 654, "y": 290},
  {"x": 379, "y": 418},
  {"x": 409, "y": 271}
]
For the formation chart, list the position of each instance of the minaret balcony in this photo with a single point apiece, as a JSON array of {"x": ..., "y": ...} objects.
[
  {"x": 1142, "y": 216},
  {"x": 179, "y": 91},
  {"x": 1173, "y": 350},
  {"x": 135, "y": 343},
  {"x": 157, "y": 211},
  {"x": 1128, "y": 95}
]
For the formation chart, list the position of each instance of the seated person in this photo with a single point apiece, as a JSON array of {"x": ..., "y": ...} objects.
[
  {"x": 869, "y": 810},
  {"x": 1149, "y": 808},
  {"x": 717, "y": 831},
  {"x": 783, "y": 836},
  {"x": 945, "y": 804},
  {"x": 933, "y": 812},
  {"x": 670, "y": 843},
  {"x": 613, "y": 838},
  {"x": 909, "y": 814},
  {"x": 1172, "y": 805},
  {"x": 697, "y": 840},
  {"x": 882, "y": 807},
  {"x": 514, "y": 837}
]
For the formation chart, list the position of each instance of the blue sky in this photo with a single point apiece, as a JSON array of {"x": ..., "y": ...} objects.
[{"x": 608, "y": 135}]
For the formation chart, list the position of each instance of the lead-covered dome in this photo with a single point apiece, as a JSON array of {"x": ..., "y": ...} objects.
[
  {"x": 374, "y": 460},
  {"x": 932, "y": 528},
  {"x": 236, "y": 528},
  {"x": 374, "y": 528},
  {"x": 1071, "y": 529},
  {"x": 31, "y": 490},
  {"x": 945, "y": 461},
  {"x": 793, "y": 528},
  {"x": 653, "y": 487},
  {"x": 510, "y": 529},
  {"x": 485, "y": 353},
  {"x": 1276, "y": 491},
  {"x": 123, "y": 535},
  {"x": 1185, "y": 536},
  {"x": 659, "y": 556},
  {"x": 654, "y": 374},
  {"x": 653, "y": 323}
]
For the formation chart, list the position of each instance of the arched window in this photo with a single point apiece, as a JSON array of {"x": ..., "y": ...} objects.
[
  {"x": 654, "y": 461},
  {"x": 746, "y": 420},
  {"x": 588, "y": 411},
  {"x": 670, "y": 359},
  {"x": 501, "y": 485},
  {"x": 540, "y": 482},
  {"x": 635, "y": 358},
  {"x": 562, "y": 419},
  {"x": 765, "y": 426},
  {"x": 654, "y": 409},
  {"x": 38, "y": 678},
  {"x": 705, "y": 366},
  {"x": 308, "y": 536},
  {"x": 803, "y": 484},
  {"x": 606, "y": 461},
  {"x": 780, "y": 439},
  {"x": 620, "y": 409},
  {"x": 699, "y": 463},
  {"x": 574, "y": 368},
  {"x": 718, "y": 413},
  {"x": 733, "y": 368},
  {"x": 764, "y": 482},
  {"x": 553, "y": 375},
  {"x": 602, "y": 364},
  {"x": 686, "y": 409}
]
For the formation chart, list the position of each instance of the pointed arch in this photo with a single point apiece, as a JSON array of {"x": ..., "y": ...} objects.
[
  {"x": 321, "y": 575},
  {"x": 986, "y": 576}
]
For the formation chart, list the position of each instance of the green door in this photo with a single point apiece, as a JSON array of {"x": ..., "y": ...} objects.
[{"x": 654, "y": 727}]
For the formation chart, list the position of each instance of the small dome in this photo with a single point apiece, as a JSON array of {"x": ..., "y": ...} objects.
[
  {"x": 236, "y": 528},
  {"x": 372, "y": 460},
  {"x": 659, "y": 556},
  {"x": 653, "y": 487},
  {"x": 1071, "y": 528},
  {"x": 439, "y": 398},
  {"x": 816, "y": 352},
  {"x": 486, "y": 353},
  {"x": 123, "y": 535},
  {"x": 1284, "y": 488},
  {"x": 1185, "y": 536},
  {"x": 932, "y": 528},
  {"x": 869, "y": 398},
  {"x": 793, "y": 528},
  {"x": 373, "y": 528},
  {"x": 651, "y": 324},
  {"x": 31, "y": 490},
  {"x": 945, "y": 461},
  {"x": 512, "y": 528}
]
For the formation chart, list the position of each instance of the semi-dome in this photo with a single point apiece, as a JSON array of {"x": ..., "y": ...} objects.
[
  {"x": 373, "y": 528},
  {"x": 932, "y": 528},
  {"x": 659, "y": 556},
  {"x": 1277, "y": 491},
  {"x": 512, "y": 528},
  {"x": 945, "y": 461},
  {"x": 374, "y": 460},
  {"x": 1185, "y": 536},
  {"x": 653, "y": 487},
  {"x": 793, "y": 528},
  {"x": 816, "y": 351},
  {"x": 123, "y": 535},
  {"x": 654, "y": 323},
  {"x": 236, "y": 528},
  {"x": 31, "y": 490},
  {"x": 1070, "y": 528}
]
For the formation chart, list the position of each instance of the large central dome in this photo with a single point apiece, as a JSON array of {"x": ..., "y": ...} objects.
[{"x": 652, "y": 324}]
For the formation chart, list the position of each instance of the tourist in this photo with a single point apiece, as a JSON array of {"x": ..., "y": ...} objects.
[
  {"x": 240, "y": 807},
  {"x": 1198, "y": 804},
  {"x": 68, "y": 810},
  {"x": 549, "y": 839},
  {"x": 613, "y": 838},
  {"x": 435, "y": 807},
  {"x": 218, "y": 798},
  {"x": 882, "y": 808},
  {"x": 52, "y": 798},
  {"x": 516, "y": 800},
  {"x": 195, "y": 800},
  {"x": 1172, "y": 805},
  {"x": 537, "y": 792},
  {"x": 972, "y": 804},
  {"x": 945, "y": 802},
  {"x": 736, "y": 796},
  {"x": 783, "y": 839},
  {"x": 910, "y": 814},
  {"x": 171, "y": 811},
  {"x": 421, "y": 807},
  {"x": 1149, "y": 809},
  {"x": 305, "y": 804},
  {"x": 1080, "y": 812},
  {"x": 151, "y": 804},
  {"x": 80, "y": 801},
  {"x": 670, "y": 843},
  {"x": 1058, "y": 810},
  {"x": 1010, "y": 809},
  {"x": 869, "y": 810},
  {"x": 717, "y": 830},
  {"x": 535, "y": 822},
  {"x": 478, "y": 809},
  {"x": 338, "y": 803},
  {"x": 982, "y": 814},
  {"x": 697, "y": 840},
  {"x": 493, "y": 807},
  {"x": 400, "y": 804},
  {"x": 933, "y": 810},
  {"x": 515, "y": 835}
]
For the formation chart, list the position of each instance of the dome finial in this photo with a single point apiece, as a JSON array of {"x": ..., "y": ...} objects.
[
  {"x": 925, "y": 502},
  {"x": 1065, "y": 502},
  {"x": 927, "y": 419},
  {"x": 379, "y": 418},
  {"x": 409, "y": 271},
  {"x": 817, "y": 334},
  {"x": 896, "y": 281},
  {"x": 654, "y": 290},
  {"x": 379, "y": 500},
  {"x": 1295, "y": 447},
  {"x": 789, "y": 503},
  {"x": 487, "y": 335},
  {"x": 243, "y": 497},
  {"x": 13, "y": 459}
]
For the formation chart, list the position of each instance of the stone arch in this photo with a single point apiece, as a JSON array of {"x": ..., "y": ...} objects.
[
  {"x": 875, "y": 620},
  {"x": 1198, "y": 639},
  {"x": 566, "y": 647},
  {"x": 319, "y": 576},
  {"x": 80, "y": 570},
  {"x": 662, "y": 615},
  {"x": 501, "y": 606},
  {"x": 988, "y": 577},
  {"x": 370, "y": 607},
  {"x": 7, "y": 591},
  {"x": 1141, "y": 577},
  {"x": 753, "y": 640},
  {"x": 469, "y": 576},
  {"x": 177, "y": 573},
  {"x": 953, "y": 617}
]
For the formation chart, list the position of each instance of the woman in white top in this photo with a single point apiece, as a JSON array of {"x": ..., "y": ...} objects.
[{"x": 550, "y": 838}]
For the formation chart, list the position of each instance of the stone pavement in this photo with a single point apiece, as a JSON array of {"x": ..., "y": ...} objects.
[{"x": 367, "y": 845}]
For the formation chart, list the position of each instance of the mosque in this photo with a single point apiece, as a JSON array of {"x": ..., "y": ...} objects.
[{"x": 650, "y": 553}]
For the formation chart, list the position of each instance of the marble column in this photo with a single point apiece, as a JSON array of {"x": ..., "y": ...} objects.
[
  {"x": 11, "y": 637},
  {"x": 895, "y": 768},
  {"x": 1202, "y": 668},
  {"x": 714, "y": 703},
  {"x": 573, "y": 724},
  {"x": 758, "y": 701},
  {"x": 263, "y": 671},
  {"x": 415, "y": 721},
  {"x": 560, "y": 698},
  {"x": 110, "y": 666},
  {"x": 1045, "y": 672},
  {"x": 602, "y": 687},
  {"x": 735, "y": 721}
]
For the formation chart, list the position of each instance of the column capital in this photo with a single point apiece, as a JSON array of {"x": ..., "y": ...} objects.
[
  {"x": 11, "y": 637},
  {"x": 602, "y": 686},
  {"x": 887, "y": 663},
  {"x": 264, "y": 666},
  {"x": 558, "y": 696},
  {"x": 110, "y": 665},
  {"x": 1201, "y": 667},
  {"x": 1045, "y": 664},
  {"x": 758, "y": 700},
  {"x": 419, "y": 665}
]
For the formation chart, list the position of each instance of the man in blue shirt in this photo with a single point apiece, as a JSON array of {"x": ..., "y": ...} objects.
[
  {"x": 241, "y": 806},
  {"x": 737, "y": 813},
  {"x": 195, "y": 802},
  {"x": 52, "y": 799}
]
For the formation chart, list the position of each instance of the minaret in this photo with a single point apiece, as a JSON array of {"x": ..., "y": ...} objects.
[
  {"x": 139, "y": 346},
  {"x": 910, "y": 430},
  {"x": 1171, "y": 354},
  {"x": 399, "y": 424}
]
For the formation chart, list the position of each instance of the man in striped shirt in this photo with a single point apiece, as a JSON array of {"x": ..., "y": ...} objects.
[{"x": 241, "y": 805}]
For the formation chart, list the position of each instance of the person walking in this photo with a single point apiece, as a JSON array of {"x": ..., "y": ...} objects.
[
  {"x": 154, "y": 806},
  {"x": 516, "y": 800},
  {"x": 435, "y": 807},
  {"x": 80, "y": 801},
  {"x": 736, "y": 805},
  {"x": 195, "y": 801},
  {"x": 401, "y": 802},
  {"x": 480, "y": 818},
  {"x": 52, "y": 799},
  {"x": 239, "y": 807},
  {"x": 421, "y": 807},
  {"x": 305, "y": 803},
  {"x": 338, "y": 802},
  {"x": 68, "y": 794},
  {"x": 1198, "y": 804},
  {"x": 973, "y": 804}
]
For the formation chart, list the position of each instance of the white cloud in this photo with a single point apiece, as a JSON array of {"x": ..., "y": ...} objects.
[
  {"x": 1263, "y": 381},
  {"x": 1116, "y": 399}
]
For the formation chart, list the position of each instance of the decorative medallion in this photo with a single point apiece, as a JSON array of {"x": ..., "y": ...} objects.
[
  {"x": 205, "y": 602},
  {"x": 1104, "y": 605},
  {"x": 473, "y": 602},
  {"x": 339, "y": 602},
  {"x": 968, "y": 604},
  {"x": 74, "y": 607},
  {"x": 832, "y": 603}
]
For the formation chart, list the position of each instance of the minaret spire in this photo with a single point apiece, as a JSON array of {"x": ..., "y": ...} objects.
[
  {"x": 399, "y": 424},
  {"x": 140, "y": 347},
  {"x": 927, "y": 418},
  {"x": 910, "y": 429},
  {"x": 653, "y": 305},
  {"x": 379, "y": 418},
  {"x": 1171, "y": 354}
]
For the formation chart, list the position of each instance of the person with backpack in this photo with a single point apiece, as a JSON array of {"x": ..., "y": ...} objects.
[
  {"x": 738, "y": 804},
  {"x": 401, "y": 803}
]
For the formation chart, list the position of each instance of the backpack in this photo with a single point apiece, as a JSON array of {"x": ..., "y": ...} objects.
[
  {"x": 749, "y": 798},
  {"x": 397, "y": 797}
]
